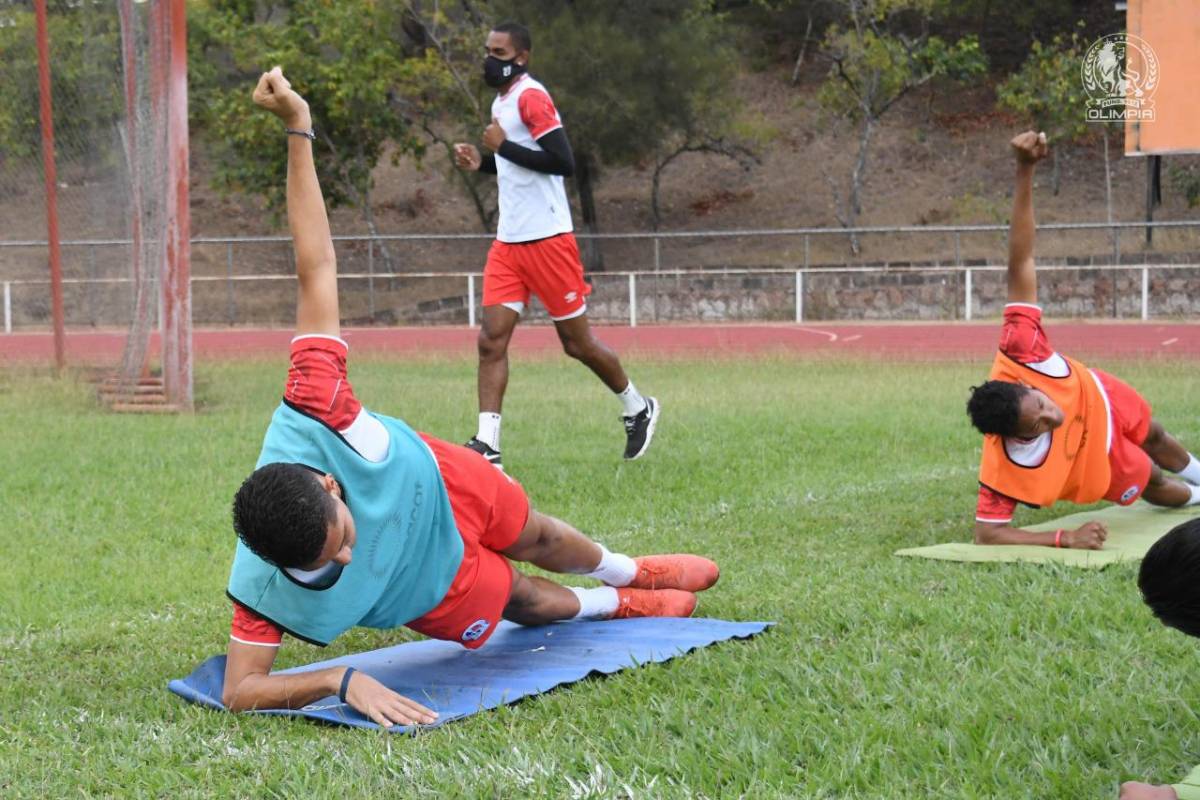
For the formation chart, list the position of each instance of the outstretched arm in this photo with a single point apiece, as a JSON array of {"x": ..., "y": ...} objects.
[
  {"x": 1089, "y": 536},
  {"x": 316, "y": 264},
  {"x": 249, "y": 684},
  {"x": 1030, "y": 148}
]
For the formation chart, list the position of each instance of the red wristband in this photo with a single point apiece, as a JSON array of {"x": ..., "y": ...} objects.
[{"x": 1058, "y": 537}]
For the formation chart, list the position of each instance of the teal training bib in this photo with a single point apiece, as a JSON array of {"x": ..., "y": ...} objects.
[{"x": 408, "y": 549}]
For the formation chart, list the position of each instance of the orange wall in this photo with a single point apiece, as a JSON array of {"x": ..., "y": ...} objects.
[{"x": 1172, "y": 29}]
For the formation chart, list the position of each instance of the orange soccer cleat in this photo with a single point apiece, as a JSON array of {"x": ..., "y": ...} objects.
[
  {"x": 687, "y": 572},
  {"x": 654, "y": 603}
]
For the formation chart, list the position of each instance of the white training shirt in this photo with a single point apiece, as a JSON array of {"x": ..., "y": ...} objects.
[{"x": 533, "y": 205}]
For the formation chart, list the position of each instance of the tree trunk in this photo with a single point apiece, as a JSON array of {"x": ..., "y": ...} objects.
[
  {"x": 1055, "y": 172},
  {"x": 1108, "y": 208},
  {"x": 364, "y": 202},
  {"x": 585, "y": 175},
  {"x": 854, "y": 206},
  {"x": 803, "y": 50}
]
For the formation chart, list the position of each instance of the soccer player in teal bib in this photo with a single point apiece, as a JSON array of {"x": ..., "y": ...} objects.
[{"x": 352, "y": 518}]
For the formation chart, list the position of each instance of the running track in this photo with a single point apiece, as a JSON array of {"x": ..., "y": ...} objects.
[{"x": 907, "y": 341}]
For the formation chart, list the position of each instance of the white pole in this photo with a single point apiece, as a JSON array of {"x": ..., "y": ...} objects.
[
  {"x": 632, "y": 300},
  {"x": 800, "y": 294},
  {"x": 1145, "y": 293},
  {"x": 7, "y": 307},
  {"x": 967, "y": 296},
  {"x": 471, "y": 300}
]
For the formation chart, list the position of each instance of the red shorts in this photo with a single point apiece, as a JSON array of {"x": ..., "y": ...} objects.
[
  {"x": 1130, "y": 425},
  {"x": 549, "y": 268},
  {"x": 490, "y": 510}
]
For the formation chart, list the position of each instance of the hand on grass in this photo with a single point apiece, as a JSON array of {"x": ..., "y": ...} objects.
[
  {"x": 1030, "y": 147},
  {"x": 1088, "y": 536},
  {"x": 383, "y": 706},
  {"x": 275, "y": 94},
  {"x": 494, "y": 136},
  {"x": 1145, "y": 791},
  {"x": 466, "y": 156}
]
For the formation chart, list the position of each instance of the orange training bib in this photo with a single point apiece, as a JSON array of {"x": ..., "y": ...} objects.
[{"x": 1076, "y": 466}]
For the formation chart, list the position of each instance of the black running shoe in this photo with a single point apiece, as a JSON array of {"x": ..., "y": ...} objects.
[
  {"x": 639, "y": 429},
  {"x": 484, "y": 449}
]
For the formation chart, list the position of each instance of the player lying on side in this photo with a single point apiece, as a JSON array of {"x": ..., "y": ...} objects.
[
  {"x": 352, "y": 518},
  {"x": 1170, "y": 584},
  {"x": 1054, "y": 429}
]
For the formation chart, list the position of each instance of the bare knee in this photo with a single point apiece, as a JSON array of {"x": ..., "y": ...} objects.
[
  {"x": 579, "y": 348},
  {"x": 492, "y": 346},
  {"x": 540, "y": 536},
  {"x": 1154, "y": 436},
  {"x": 537, "y": 601},
  {"x": 1162, "y": 490}
]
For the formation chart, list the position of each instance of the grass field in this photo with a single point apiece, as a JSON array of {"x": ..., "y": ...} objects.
[{"x": 885, "y": 677}]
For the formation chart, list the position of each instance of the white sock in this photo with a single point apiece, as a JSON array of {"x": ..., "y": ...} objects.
[
  {"x": 1191, "y": 473},
  {"x": 614, "y": 569},
  {"x": 489, "y": 429},
  {"x": 632, "y": 400},
  {"x": 598, "y": 603},
  {"x": 1195, "y": 500}
]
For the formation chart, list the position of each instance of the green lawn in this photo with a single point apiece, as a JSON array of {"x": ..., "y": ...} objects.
[{"x": 885, "y": 677}]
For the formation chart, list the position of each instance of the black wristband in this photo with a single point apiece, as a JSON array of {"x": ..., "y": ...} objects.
[
  {"x": 309, "y": 134},
  {"x": 345, "y": 683}
]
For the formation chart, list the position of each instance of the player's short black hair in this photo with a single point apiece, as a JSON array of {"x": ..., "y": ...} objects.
[
  {"x": 1170, "y": 578},
  {"x": 282, "y": 513},
  {"x": 995, "y": 407},
  {"x": 521, "y": 38}
]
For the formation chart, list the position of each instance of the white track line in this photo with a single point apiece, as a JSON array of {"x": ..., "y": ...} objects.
[
  {"x": 1170, "y": 341},
  {"x": 833, "y": 337}
]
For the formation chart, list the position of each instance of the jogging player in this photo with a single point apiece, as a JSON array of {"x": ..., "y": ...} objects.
[
  {"x": 351, "y": 518},
  {"x": 1054, "y": 429},
  {"x": 535, "y": 251}
]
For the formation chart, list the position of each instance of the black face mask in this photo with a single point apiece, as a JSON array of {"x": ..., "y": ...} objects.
[{"x": 497, "y": 71}]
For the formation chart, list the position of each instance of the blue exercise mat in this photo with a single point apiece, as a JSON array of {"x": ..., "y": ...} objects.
[{"x": 515, "y": 663}]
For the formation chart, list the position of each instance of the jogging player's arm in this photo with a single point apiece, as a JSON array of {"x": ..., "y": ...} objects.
[
  {"x": 316, "y": 264},
  {"x": 555, "y": 157},
  {"x": 249, "y": 684},
  {"x": 1029, "y": 148}
]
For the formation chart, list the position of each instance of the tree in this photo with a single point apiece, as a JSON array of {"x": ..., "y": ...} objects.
[
  {"x": 83, "y": 42},
  {"x": 333, "y": 55},
  {"x": 440, "y": 92},
  {"x": 881, "y": 52},
  {"x": 1048, "y": 90}
]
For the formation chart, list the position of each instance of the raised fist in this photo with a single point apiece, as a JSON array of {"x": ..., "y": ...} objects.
[
  {"x": 1030, "y": 147},
  {"x": 276, "y": 95}
]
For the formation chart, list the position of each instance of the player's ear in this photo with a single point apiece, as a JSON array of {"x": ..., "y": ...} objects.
[{"x": 330, "y": 484}]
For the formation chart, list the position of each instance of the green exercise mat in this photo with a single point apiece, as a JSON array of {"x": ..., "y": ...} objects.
[
  {"x": 1189, "y": 787},
  {"x": 1131, "y": 531}
]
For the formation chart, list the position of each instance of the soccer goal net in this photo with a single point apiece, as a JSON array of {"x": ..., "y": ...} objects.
[{"x": 93, "y": 173}]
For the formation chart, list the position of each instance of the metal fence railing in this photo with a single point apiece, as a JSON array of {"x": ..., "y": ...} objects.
[
  {"x": 1133, "y": 291},
  {"x": 235, "y": 280}
]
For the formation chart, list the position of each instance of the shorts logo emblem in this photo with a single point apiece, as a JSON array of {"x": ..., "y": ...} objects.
[
  {"x": 475, "y": 630},
  {"x": 1129, "y": 494},
  {"x": 570, "y": 297}
]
